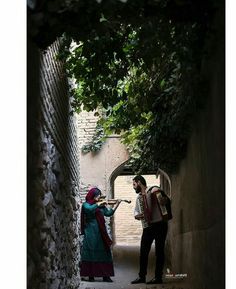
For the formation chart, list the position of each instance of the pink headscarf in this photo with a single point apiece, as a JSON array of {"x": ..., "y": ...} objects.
[{"x": 93, "y": 192}]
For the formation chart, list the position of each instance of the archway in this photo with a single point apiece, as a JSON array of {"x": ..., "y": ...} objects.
[{"x": 127, "y": 230}]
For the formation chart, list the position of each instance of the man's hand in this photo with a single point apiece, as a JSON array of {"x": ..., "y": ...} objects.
[
  {"x": 162, "y": 200},
  {"x": 139, "y": 217}
]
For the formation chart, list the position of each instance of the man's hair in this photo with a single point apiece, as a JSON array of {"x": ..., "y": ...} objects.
[{"x": 141, "y": 179}]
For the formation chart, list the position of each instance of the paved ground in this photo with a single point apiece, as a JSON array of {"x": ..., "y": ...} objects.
[{"x": 126, "y": 270}]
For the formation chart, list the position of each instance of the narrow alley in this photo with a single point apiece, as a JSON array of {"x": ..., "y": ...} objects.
[
  {"x": 117, "y": 89},
  {"x": 126, "y": 269}
]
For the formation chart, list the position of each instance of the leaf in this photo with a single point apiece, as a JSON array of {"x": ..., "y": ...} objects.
[
  {"x": 162, "y": 83},
  {"x": 102, "y": 19}
]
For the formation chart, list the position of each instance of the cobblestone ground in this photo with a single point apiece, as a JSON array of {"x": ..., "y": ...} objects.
[{"x": 126, "y": 270}]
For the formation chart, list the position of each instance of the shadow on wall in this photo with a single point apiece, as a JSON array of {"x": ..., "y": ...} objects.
[{"x": 181, "y": 251}]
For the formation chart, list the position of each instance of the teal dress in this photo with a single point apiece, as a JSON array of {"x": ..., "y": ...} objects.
[{"x": 96, "y": 258}]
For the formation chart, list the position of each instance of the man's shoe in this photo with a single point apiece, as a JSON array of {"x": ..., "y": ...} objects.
[
  {"x": 155, "y": 281},
  {"x": 139, "y": 280},
  {"x": 107, "y": 279}
]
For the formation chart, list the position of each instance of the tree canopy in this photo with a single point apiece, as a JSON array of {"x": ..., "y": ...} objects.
[{"x": 139, "y": 64}]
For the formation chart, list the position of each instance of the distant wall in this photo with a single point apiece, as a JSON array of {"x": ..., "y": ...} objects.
[{"x": 96, "y": 168}]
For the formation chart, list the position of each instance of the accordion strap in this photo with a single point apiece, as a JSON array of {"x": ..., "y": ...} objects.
[{"x": 147, "y": 212}]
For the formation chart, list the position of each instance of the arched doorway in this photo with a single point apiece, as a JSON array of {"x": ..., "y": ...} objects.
[{"x": 127, "y": 230}]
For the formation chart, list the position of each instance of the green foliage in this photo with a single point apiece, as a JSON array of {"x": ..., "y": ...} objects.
[
  {"x": 143, "y": 77},
  {"x": 140, "y": 62},
  {"x": 97, "y": 140}
]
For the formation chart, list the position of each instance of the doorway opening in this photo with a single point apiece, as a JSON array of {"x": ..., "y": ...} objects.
[{"x": 126, "y": 230}]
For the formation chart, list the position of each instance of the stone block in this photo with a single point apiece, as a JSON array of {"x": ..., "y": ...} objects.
[
  {"x": 48, "y": 198},
  {"x": 55, "y": 284}
]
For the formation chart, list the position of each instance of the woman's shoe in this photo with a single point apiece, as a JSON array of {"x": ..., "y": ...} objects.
[
  {"x": 91, "y": 279},
  {"x": 107, "y": 279}
]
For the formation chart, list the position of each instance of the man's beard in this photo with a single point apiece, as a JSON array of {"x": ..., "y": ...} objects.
[{"x": 138, "y": 189}]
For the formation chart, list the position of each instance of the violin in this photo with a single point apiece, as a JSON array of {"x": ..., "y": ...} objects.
[{"x": 112, "y": 201}]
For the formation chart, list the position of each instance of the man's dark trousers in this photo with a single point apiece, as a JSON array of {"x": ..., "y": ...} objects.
[{"x": 156, "y": 231}]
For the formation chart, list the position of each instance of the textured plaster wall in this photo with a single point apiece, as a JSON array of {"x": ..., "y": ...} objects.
[{"x": 197, "y": 230}]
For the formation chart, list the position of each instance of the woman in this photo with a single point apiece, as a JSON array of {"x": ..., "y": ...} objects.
[{"x": 96, "y": 258}]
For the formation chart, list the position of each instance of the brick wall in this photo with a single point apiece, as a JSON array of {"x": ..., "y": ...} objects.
[
  {"x": 53, "y": 176},
  {"x": 86, "y": 127},
  {"x": 86, "y": 124}
]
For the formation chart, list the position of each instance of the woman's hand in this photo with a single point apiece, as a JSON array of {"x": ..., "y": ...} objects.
[
  {"x": 102, "y": 203},
  {"x": 117, "y": 204}
]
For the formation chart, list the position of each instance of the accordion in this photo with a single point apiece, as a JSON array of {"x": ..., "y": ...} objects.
[
  {"x": 152, "y": 207},
  {"x": 165, "y": 209}
]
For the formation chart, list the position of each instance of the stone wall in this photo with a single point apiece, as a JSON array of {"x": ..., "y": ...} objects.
[
  {"x": 197, "y": 231},
  {"x": 53, "y": 176}
]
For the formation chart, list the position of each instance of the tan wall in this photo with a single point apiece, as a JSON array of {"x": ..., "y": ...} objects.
[
  {"x": 96, "y": 168},
  {"x": 128, "y": 230}
]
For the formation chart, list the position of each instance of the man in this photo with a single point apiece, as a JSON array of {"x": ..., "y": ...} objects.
[{"x": 153, "y": 209}]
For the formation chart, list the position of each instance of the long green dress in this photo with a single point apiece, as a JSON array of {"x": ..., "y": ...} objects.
[{"x": 96, "y": 260}]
